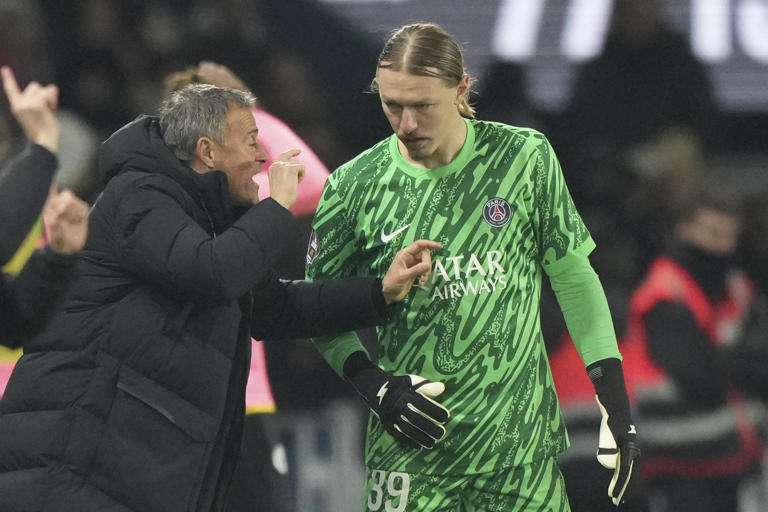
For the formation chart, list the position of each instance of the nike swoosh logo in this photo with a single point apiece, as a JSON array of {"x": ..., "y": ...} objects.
[{"x": 386, "y": 238}]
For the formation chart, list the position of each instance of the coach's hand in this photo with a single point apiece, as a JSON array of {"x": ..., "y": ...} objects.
[
  {"x": 403, "y": 403},
  {"x": 285, "y": 174},
  {"x": 411, "y": 264}
]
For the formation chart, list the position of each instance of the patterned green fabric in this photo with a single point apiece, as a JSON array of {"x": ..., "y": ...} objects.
[
  {"x": 536, "y": 487},
  {"x": 502, "y": 211}
]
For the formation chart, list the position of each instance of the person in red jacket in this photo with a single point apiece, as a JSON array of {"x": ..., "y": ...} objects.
[{"x": 691, "y": 365}]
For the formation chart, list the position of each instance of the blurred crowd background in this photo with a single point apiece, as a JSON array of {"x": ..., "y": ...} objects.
[{"x": 640, "y": 129}]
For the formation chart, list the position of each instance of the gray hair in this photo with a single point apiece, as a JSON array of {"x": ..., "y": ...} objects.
[{"x": 198, "y": 110}]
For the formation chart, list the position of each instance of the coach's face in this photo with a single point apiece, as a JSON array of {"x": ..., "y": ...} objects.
[
  {"x": 423, "y": 112},
  {"x": 241, "y": 155}
]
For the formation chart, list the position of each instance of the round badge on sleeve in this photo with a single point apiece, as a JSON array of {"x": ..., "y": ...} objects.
[
  {"x": 313, "y": 249},
  {"x": 497, "y": 212}
]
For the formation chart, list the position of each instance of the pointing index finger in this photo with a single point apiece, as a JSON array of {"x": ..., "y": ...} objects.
[
  {"x": 287, "y": 155},
  {"x": 418, "y": 245},
  {"x": 9, "y": 84}
]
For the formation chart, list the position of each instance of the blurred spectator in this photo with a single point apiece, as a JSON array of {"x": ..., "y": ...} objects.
[
  {"x": 25, "y": 47},
  {"x": 26, "y": 179},
  {"x": 662, "y": 174},
  {"x": 645, "y": 83},
  {"x": 645, "y": 80},
  {"x": 695, "y": 359},
  {"x": 29, "y": 299}
]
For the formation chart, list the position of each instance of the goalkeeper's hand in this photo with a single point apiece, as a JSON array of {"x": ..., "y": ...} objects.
[
  {"x": 405, "y": 407},
  {"x": 403, "y": 403},
  {"x": 617, "y": 449}
]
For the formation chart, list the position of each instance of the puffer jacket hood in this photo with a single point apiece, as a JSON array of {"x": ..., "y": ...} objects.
[{"x": 139, "y": 146}]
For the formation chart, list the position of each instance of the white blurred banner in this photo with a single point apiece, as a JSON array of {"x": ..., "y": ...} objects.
[{"x": 549, "y": 38}]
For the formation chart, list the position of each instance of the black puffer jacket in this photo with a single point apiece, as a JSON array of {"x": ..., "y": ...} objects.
[
  {"x": 30, "y": 298},
  {"x": 133, "y": 398}
]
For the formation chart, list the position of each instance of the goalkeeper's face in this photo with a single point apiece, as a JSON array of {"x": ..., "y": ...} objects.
[{"x": 423, "y": 112}]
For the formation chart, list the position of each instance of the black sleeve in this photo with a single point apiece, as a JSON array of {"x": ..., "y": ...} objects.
[
  {"x": 157, "y": 241},
  {"x": 29, "y": 299},
  {"x": 300, "y": 309},
  {"x": 678, "y": 345},
  {"x": 24, "y": 184}
]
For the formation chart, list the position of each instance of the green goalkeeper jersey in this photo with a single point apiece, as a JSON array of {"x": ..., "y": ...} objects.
[{"x": 503, "y": 214}]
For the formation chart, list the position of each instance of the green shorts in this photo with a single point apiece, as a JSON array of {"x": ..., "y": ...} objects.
[{"x": 536, "y": 487}]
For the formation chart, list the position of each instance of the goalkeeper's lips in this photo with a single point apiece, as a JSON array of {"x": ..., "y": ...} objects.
[{"x": 413, "y": 143}]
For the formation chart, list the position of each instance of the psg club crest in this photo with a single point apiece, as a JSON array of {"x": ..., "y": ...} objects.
[
  {"x": 314, "y": 247},
  {"x": 497, "y": 212}
]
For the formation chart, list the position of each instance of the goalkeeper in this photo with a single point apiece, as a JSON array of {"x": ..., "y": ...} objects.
[{"x": 466, "y": 414}]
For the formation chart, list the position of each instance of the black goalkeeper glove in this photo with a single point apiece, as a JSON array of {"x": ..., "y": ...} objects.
[
  {"x": 403, "y": 403},
  {"x": 617, "y": 446}
]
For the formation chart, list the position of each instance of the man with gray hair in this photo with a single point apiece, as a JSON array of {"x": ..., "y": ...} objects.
[{"x": 133, "y": 398}]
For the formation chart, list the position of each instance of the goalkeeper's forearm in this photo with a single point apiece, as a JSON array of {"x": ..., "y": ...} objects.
[
  {"x": 608, "y": 378},
  {"x": 618, "y": 448}
]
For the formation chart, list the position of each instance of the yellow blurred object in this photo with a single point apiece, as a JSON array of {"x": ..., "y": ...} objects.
[
  {"x": 14, "y": 266},
  {"x": 8, "y": 355},
  {"x": 25, "y": 250}
]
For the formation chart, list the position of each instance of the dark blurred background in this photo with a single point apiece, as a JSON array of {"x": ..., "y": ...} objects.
[{"x": 642, "y": 99}]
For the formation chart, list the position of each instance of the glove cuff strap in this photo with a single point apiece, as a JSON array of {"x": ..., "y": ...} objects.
[
  {"x": 356, "y": 363},
  {"x": 608, "y": 379}
]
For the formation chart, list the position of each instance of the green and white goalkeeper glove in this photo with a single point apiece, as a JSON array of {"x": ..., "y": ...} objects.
[
  {"x": 403, "y": 403},
  {"x": 617, "y": 446}
]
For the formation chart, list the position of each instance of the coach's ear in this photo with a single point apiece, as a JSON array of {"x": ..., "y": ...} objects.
[{"x": 205, "y": 151}]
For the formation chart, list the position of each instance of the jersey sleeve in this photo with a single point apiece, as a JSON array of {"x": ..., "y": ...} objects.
[
  {"x": 332, "y": 253},
  {"x": 564, "y": 246},
  {"x": 585, "y": 309},
  {"x": 561, "y": 234}
]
